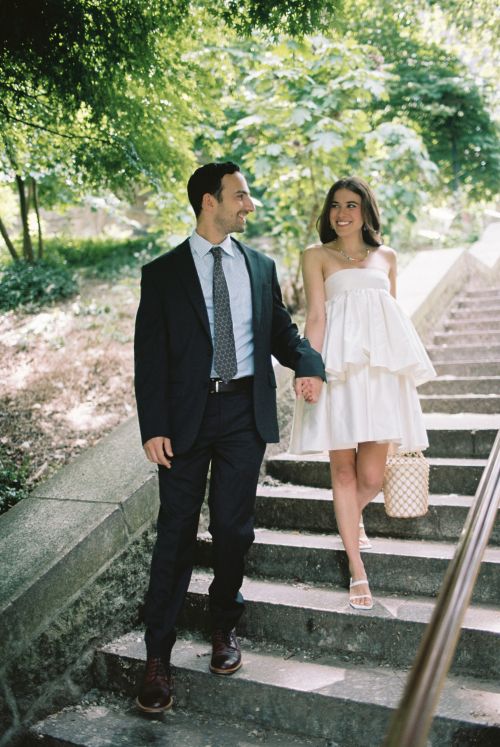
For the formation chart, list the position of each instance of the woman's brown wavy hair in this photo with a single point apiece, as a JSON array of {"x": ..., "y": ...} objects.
[{"x": 369, "y": 211}]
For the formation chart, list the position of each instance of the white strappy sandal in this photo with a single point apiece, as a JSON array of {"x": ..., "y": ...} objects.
[
  {"x": 364, "y": 542},
  {"x": 352, "y": 598}
]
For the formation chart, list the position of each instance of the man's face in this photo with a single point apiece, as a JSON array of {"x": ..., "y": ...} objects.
[{"x": 230, "y": 214}]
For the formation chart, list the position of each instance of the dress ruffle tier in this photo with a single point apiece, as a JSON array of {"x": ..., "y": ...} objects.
[{"x": 374, "y": 360}]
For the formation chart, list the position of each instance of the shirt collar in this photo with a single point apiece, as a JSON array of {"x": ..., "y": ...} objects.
[{"x": 202, "y": 247}]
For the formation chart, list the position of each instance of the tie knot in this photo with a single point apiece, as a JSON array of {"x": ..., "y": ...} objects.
[{"x": 217, "y": 252}]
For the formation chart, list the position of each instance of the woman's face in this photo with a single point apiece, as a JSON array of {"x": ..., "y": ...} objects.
[{"x": 346, "y": 217}]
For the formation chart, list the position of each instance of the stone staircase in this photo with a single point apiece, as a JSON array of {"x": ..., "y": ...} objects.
[{"x": 317, "y": 672}]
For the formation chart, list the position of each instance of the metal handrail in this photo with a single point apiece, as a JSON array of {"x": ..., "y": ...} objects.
[{"x": 412, "y": 720}]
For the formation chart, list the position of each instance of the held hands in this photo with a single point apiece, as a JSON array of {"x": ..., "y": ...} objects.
[
  {"x": 308, "y": 387},
  {"x": 159, "y": 451}
]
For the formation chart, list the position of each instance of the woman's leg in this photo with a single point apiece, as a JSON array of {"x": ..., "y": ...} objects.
[
  {"x": 347, "y": 513},
  {"x": 356, "y": 480},
  {"x": 370, "y": 465}
]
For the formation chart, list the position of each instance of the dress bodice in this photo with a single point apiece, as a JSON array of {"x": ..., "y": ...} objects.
[
  {"x": 351, "y": 278},
  {"x": 374, "y": 359},
  {"x": 366, "y": 325}
]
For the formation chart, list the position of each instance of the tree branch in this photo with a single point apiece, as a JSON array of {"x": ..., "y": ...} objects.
[
  {"x": 27, "y": 245},
  {"x": 68, "y": 136},
  {"x": 20, "y": 92},
  {"x": 37, "y": 212},
  {"x": 10, "y": 245}
]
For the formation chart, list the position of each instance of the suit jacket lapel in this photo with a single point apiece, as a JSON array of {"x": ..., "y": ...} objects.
[
  {"x": 256, "y": 282},
  {"x": 189, "y": 278}
]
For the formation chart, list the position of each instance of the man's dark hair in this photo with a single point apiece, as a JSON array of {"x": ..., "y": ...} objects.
[{"x": 208, "y": 178}]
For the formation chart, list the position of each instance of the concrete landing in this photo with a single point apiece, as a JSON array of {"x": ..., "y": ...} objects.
[{"x": 111, "y": 721}]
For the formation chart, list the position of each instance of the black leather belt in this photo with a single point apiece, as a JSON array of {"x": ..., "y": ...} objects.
[{"x": 217, "y": 386}]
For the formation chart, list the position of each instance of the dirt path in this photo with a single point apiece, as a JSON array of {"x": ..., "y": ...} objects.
[{"x": 66, "y": 375}]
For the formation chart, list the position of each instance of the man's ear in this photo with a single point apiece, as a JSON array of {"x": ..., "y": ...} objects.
[{"x": 207, "y": 201}]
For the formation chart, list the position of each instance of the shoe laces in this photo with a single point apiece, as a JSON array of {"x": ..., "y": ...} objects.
[
  {"x": 226, "y": 637},
  {"x": 155, "y": 670}
]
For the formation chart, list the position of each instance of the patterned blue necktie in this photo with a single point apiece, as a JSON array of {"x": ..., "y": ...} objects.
[{"x": 224, "y": 347}]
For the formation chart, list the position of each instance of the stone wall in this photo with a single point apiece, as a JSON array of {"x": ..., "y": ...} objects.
[{"x": 75, "y": 559}]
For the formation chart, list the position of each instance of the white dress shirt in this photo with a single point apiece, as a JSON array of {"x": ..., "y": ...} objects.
[{"x": 240, "y": 295}]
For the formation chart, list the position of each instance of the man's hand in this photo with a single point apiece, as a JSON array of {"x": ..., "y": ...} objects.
[
  {"x": 159, "y": 451},
  {"x": 308, "y": 387}
]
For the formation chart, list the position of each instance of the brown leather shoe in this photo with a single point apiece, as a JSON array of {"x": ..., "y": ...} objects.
[
  {"x": 226, "y": 653},
  {"x": 155, "y": 694}
]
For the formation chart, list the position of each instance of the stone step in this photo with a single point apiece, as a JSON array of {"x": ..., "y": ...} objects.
[
  {"x": 109, "y": 720},
  {"x": 481, "y": 403},
  {"x": 446, "y": 475},
  {"x": 465, "y": 325},
  {"x": 455, "y": 353},
  {"x": 460, "y": 435},
  {"x": 394, "y": 566},
  {"x": 325, "y": 699},
  {"x": 471, "y": 337},
  {"x": 466, "y": 367},
  {"x": 492, "y": 312},
  {"x": 302, "y": 509},
  {"x": 448, "y": 385},
  {"x": 486, "y": 293},
  {"x": 470, "y": 302},
  {"x": 320, "y": 620}
]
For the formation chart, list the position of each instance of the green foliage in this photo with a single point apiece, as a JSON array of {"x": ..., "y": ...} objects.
[
  {"x": 298, "y": 116},
  {"x": 82, "y": 51},
  {"x": 294, "y": 17},
  {"x": 435, "y": 94},
  {"x": 101, "y": 94},
  {"x": 123, "y": 95},
  {"x": 96, "y": 96},
  {"x": 433, "y": 91},
  {"x": 34, "y": 285},
  {"x": 103, "y": 258},
  {"x": 471, "y": 15},
  {"x": 13, "y": 477}
]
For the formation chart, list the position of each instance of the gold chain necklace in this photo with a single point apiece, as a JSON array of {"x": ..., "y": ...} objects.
[{"x": 353, "y": 259}]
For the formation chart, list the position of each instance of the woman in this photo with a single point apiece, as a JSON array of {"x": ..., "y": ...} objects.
[{"x": 373, "y": 357}]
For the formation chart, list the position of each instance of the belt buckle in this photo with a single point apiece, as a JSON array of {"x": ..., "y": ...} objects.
[{"x": 214, "y": 386}]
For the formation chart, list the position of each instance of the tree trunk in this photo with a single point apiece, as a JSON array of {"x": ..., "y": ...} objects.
[
  {"x": 10, "y": 245},
  {"x": 27, "y": 245},
  {"x": 37, "y": 211},
  {"x": 455, "y": 164},
  {"x": 29, "y": 194}
]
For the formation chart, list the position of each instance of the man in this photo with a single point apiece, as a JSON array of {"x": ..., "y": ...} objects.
[{"x": 209, "y": 318}]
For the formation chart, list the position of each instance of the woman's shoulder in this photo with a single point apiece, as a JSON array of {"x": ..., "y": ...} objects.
[
  {"x": 387, "y": 250},
  {"x": 317, "y": 251},
  {"x": 316, "y": 248},
  {"x": 313, "y": 255},
  {"x": 389, "y": 253}
]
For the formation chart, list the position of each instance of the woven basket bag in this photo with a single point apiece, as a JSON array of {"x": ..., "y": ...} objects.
[{"x": 406, "y": 485}]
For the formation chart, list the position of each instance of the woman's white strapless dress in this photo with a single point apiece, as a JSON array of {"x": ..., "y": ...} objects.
[{"x": 374, "y": 360}]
